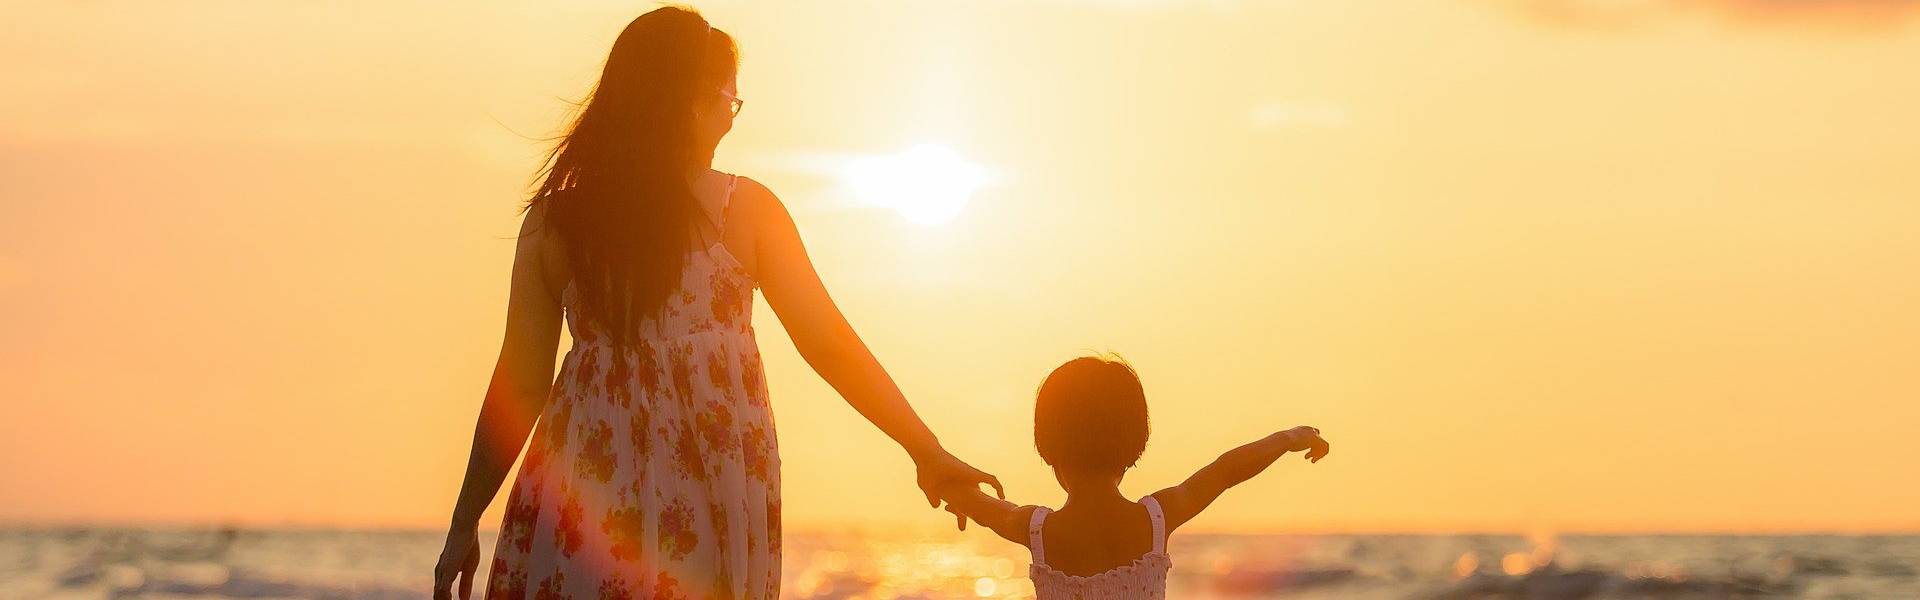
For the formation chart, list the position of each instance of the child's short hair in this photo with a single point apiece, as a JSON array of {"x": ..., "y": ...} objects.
[{"x": 1091, "y": 415}]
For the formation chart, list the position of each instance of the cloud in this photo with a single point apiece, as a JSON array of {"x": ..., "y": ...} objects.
[{"x": 1846, "y": 15}]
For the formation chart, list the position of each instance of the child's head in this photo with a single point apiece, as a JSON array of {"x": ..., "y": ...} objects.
[{"x": 1091, "y": 417}]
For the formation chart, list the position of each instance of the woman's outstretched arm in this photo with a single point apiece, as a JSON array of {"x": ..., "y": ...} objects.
[
  {"x": 829, "y": 344},
  {"x": 521, "y": 379}
]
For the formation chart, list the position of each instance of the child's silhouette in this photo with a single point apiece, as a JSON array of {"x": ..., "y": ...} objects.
[{"x": 1090, "y": 425}]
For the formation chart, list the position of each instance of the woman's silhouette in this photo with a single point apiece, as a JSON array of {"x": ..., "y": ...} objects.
[{"x": 653, "y": 471}]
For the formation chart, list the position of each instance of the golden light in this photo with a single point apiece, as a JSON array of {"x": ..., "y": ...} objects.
[
  {"x": 927, "y": 184},
  {"x": 1466, "y": 565},
  {"x": 984, "y": 587},
  {"x": 1516, "y": 564}
]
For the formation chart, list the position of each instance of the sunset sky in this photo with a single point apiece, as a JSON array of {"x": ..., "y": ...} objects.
[{"x": 1573, "y": 265}]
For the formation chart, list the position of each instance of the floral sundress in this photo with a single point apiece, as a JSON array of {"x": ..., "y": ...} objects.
[{"x": 653, "y": 471}]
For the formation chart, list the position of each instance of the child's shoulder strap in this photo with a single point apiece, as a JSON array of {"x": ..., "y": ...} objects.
[
  {"x": 1033, "y": 534},
  {"x": 1159, "y": 521}
]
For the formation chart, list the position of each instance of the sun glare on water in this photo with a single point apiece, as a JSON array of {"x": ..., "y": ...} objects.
[{"x": 928, "y": 184}]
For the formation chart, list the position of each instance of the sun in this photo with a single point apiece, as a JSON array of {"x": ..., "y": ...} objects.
[{"x": 927, "y": 184}]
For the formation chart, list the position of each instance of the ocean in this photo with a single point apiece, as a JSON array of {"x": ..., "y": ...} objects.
[{"x": 75, "y": 562}]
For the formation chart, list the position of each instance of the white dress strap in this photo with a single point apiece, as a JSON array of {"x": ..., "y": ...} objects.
[
  {"x": 725, "y": 200},
  {"x": 1033, "y": 534},
  {"x": 1159, "y": 520},
  {"x": 719, "y": 221}
]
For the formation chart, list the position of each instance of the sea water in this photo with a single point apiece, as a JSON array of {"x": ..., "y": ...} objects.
[{"x": 221, "y": 563}]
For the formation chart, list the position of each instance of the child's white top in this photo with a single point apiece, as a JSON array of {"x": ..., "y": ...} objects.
[{"x": 1143, "y": 579}]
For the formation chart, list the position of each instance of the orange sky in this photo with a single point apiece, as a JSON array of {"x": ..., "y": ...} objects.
[{"x": 1565, "y": 265}]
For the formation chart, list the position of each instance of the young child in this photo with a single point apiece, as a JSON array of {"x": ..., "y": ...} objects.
[{"x": 1090, "y": 425}]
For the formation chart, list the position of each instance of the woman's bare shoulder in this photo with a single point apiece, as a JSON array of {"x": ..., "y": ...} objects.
[
  {"x": 536, "y": 228},
  {"x": 756, "y": 199},
  {"x": 749, "y": 189},
  {"x": 533, "y": 219},
  {"x": 540, "y": 240},
  {"x": 755, "y": 206}
]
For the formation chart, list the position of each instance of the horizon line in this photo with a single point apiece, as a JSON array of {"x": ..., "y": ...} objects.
[{"x": 895, "y": 526}]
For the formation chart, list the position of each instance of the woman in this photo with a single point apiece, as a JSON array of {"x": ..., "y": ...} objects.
[{"x": 653, "y": 471}]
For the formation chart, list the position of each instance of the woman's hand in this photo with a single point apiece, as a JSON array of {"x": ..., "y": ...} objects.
[
  {"x": 939, "y": 469},
  {"x": 459, "y": 559}
]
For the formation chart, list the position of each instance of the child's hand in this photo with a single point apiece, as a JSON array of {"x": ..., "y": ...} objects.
[
  {"x": 959, "y": 517},
  {"x": 952, "y": 490},
  {"x": 1305, "y": 439}
]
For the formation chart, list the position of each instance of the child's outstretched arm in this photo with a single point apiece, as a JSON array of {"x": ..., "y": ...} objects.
[
  {"x": 1181, "y": 502},
  {"x": 1005, "y": 518}
]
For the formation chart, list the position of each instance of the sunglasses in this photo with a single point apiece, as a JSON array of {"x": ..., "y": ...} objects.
[{"x": 733, "y": 103}]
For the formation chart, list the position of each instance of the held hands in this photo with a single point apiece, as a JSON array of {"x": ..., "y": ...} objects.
[
  {"x": 1304, "y": 439},
  {"x": 939, "y": 469}
]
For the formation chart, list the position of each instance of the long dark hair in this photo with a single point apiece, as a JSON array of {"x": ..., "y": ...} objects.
[{"x": 614, "y": 187}]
